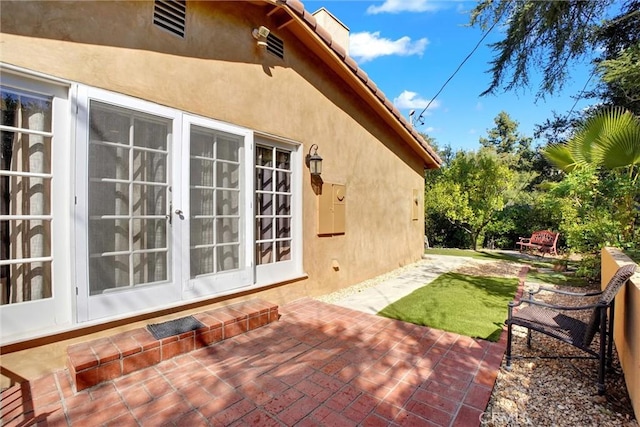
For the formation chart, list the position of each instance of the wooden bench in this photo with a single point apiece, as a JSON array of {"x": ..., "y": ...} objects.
[{"x": 544, "y": 241}]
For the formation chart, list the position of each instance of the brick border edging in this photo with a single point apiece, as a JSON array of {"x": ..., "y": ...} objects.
[
  {"x": 522, "y": 276},
  {"x": 104, "y": 359}
]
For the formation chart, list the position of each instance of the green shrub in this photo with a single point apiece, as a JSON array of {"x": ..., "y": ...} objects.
[{"x": 589, "y": 268}]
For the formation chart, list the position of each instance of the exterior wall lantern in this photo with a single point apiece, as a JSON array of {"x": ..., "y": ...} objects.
[{"x": 314, "y": 161}]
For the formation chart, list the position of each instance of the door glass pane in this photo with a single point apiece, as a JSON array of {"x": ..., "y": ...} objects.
[
  {"x": 228, "y": 202},
  {"x": 108, "y": 235},
  {"x": 128, "y": 198},
  {"x": 108, "y": 272},
  {"x": 228, "y": 257},
  {"x": 25, "y": 196},
  {"x": 202, "y": 261},
  {"x": 214, "y": 205},
  {"x": 264, "y": 228},
  {"x": 264, "y": 252},
  {"x": 228, "y": 175}
]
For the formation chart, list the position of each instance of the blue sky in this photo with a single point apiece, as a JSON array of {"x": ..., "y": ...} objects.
[{"x": 411, "y": 47}]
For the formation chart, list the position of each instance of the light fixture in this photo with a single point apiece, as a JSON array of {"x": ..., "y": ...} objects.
[
  {"x": 260, "y": 33},
  {"x": 314, "y": 161}
]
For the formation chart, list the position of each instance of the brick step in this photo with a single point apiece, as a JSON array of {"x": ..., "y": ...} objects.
[{"x": 105, "y": 359}]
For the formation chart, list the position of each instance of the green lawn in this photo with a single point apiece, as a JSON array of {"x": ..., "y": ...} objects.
[
  {"x": 488, "y": 255},
  {"x": 475, "y": 306}
]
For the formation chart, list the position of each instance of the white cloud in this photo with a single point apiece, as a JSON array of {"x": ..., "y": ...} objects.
[
  {"x": 366, "y": 46},
  {"x": 397, "y": 6},
  {"x": 408, "y": 99},
  {"x": 430, "y": 129},
  {"x": 472, "y": 131},
  {"x": 479, "y": 106}
]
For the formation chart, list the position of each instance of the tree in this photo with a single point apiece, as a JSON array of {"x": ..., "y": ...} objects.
[
  {"x": 605, "y": 154},
  {"x": 544, "y": 35},
  {"x": 471, "y": 191},
  {"x": 618, "y": 64},
  {"x": 445, "y": 152},
  {"x": 504, "y": 137},
  {"x": 622, "y": 78}
]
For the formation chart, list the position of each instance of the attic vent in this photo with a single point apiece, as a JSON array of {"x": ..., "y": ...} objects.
[
  {"x": 275, "y": 46},
  {"x": 170, "y": 15}
]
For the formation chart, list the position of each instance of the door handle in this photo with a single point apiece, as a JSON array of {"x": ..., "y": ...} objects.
[{"x": 179, "y": 213}]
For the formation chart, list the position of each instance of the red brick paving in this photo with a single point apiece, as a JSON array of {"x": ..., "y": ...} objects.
[{"x": 319, "y": 365}]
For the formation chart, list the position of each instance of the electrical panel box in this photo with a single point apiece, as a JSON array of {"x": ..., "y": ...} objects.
[{"x": 332, "y": 204}]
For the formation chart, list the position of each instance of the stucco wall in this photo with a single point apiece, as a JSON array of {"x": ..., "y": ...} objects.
[
  {"x": 218, "y": 71},
  {"x": 627, "y": 322}
]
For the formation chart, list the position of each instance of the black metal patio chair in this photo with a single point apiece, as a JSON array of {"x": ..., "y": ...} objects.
[{"x": 550, "y": 320}]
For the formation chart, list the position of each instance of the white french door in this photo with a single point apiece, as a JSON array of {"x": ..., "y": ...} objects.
[
  {"x": 162, "y": 206},
  {"x": 124, "y": 224},
  {"x": 34, "y": 221},
  {"x": 217, "y": 248}
]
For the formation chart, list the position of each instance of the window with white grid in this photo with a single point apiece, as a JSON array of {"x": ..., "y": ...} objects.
[
  {"x": 25, "y": 196},
  {"x": 273, "y": 205}
]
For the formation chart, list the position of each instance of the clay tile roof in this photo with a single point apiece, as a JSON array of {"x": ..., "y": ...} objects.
[
  {"x": 297, "y": 7},
  {"x": 351, "y": 63},
  {"x": 341, "y": 51},
  {"x": 310, "y": 19},
  {"x": 363, "y": 76},
  {"x": 372, "y": 86},
  {"x": 325, "y": 36}
]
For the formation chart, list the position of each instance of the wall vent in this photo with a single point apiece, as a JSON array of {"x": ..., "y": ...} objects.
[
  {"x": 170, "y": 15},
  {"x": 275, "y": 46}
]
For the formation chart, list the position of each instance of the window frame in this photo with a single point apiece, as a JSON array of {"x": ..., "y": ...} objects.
[{"x": 291, "y": 269}]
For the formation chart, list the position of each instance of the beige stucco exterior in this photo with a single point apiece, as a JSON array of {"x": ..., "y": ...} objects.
[
  {"x": 626, "y": 321},
  {"x": 218, "y": 71}
]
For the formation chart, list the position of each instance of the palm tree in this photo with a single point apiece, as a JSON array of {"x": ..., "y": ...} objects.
[{"x": 610, "y": 141}]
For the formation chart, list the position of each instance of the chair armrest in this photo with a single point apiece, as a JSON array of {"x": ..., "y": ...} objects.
[
  {"x": 559, "y": 307},
  {"x": 558, "y": 291},
  {"x": 524, "y": 239}
]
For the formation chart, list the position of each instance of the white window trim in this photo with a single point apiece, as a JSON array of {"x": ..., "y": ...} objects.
[{"x": 269, "y": 274}]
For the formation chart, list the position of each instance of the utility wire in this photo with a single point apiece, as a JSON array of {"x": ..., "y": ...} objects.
[
  {"x": 581, "y": 93},
  {"x": 420, "y": 118},
  {"x": 593, "y": 72}
]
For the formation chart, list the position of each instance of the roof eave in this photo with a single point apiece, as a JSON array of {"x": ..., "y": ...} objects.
[{"x": 336, "y": 57}]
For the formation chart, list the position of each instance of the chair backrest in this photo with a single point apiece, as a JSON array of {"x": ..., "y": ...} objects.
[{"x": 617, "y": 281}]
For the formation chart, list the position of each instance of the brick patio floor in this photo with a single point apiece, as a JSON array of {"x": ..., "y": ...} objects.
[{"x": 319, "y": 365}]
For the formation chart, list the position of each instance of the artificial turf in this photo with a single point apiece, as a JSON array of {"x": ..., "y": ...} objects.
[{"x": 475, "y": 306}]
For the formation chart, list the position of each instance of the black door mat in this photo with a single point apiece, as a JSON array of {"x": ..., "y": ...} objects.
[{"x": 174, "y": 327}]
